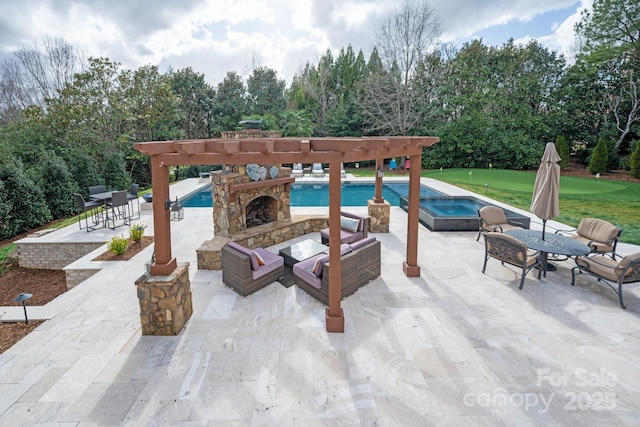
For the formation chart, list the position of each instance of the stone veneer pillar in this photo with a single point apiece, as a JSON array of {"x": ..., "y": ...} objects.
[
  {"x": 165, "y": 301},
  {"x": 380, "y": 214}
]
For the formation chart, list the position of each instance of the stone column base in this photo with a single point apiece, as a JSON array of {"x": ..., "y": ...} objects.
[
  {"x": 380, "y": 214},
  {"x": 165, "y": 301}
]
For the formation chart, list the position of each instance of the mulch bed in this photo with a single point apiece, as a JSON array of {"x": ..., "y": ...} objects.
[{"x": 44, "y": 285}]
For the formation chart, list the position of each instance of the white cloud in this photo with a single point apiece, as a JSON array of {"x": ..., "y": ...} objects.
[{"x": 216, "y": 36}]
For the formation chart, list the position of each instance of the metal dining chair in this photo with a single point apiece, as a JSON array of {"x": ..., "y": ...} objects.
[
  {"x": 88, "y": 209},
  {"x": 133, "y": 196},
  {"x": 119, "y": 208},
  {"x": 95, "y": 189}
]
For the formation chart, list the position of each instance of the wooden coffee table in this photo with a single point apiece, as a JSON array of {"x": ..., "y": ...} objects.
[{"x": 298, "y": 252}]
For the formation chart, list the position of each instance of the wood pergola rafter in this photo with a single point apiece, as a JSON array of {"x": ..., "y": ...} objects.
[{"x": 333, "y": 151}]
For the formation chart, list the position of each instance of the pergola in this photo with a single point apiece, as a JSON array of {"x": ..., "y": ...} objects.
[{"x": 333, "y": 151}]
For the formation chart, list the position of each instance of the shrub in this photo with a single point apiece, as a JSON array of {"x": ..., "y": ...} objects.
[
  {"x": 599, "y": 158},
  {"x": 136, "y": 231},
  {"x": 634, "y": 162},
  {"x": 118, "y": 245},
  {"x": 563, "y": 151},
  {"x": 84, "y": 170},
  {"x": 28, "y": 208},
  {"x": 58, "y": 186}
]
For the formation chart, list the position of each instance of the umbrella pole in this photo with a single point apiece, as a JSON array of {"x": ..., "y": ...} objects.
[{"x": 544, "y": 224}]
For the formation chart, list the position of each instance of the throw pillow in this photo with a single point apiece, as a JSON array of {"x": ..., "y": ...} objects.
[
  {"x": 260, "y": 259},
  {"x": 319, "y": 264},
  {"x": 349, "y": 224}
]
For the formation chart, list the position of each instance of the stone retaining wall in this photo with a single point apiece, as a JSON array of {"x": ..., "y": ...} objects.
[
  {"x": 52, "y": 255},
  {"x": 76, "y": 276},
  {"x": 259, "y": 237}
]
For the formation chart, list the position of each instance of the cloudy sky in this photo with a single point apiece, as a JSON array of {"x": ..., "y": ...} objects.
[{"x": 216, "y": 36}]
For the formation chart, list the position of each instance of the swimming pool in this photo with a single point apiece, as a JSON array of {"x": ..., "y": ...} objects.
[
  {"x": 438, "y": 211},
  {"x": 317, "y": 194},
  {"x": 455, "y": 213}
]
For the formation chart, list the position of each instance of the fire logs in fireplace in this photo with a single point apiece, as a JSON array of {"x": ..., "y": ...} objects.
[{"x": 261, "y": 210}]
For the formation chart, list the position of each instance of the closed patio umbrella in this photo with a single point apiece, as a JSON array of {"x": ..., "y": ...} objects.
[{"x": 544, "y": 202}]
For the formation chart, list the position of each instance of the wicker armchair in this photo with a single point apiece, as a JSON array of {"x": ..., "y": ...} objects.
[
  {"x": 609, "y": 271},
  {"x": 508, "y": 249},
  {"x": 352, "y": 228},
  {"x": 242, "y": 271},
  {"x": 358, "y": 267}
]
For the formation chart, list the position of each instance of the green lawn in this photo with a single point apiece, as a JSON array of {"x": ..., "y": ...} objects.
[{"x": 615, "y": 201}]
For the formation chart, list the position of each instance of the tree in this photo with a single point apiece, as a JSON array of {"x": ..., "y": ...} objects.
[
  {"x": 196, "y": 99},
  {"x": 151, "y": 108},
  {"x": 265, "y": 92},
  {"x": 403, "y": 39},
  {"x": 114, "y": 174},
  {"x": 599, "y": 158},
  {"x": 230, "y": 103},
  {"x": 563, "y": 151},
  {"x": 610, "y": 34},
  {"x": 33, "y": 74},
  {"x": 58, "y": 185},
  {"x": 90, "y": 112}
]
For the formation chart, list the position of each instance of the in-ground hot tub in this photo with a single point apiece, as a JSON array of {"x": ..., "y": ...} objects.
[{"x": 455, "y": 213}]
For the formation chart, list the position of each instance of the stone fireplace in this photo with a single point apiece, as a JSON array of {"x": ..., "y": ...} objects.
[
  {"x": 240, "y": 203},
  {"x": 261, "y": 210}
]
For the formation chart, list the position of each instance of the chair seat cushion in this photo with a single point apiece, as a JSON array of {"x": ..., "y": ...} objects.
[
  {"x": 599, "y": 265},
  {"x": 304, "y": 270},
  {"x": 271, "y": 263},
  {"x": 345, "y": 236},
  {"x": 595, "y": 246}
]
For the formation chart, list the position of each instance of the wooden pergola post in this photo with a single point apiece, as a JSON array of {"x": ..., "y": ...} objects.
[
  {"x": 377, "y": 197},
  {"x": 410, "y": 266},
  {"x": 164, "y": 262},
  {"x": 334, "y": 315}
]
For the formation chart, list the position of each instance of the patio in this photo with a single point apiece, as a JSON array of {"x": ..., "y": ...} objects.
[{"x": 451, "y": 347}]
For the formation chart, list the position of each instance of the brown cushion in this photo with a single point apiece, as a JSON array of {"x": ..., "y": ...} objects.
[
  {"x": 600, "y": 265},
  {"x": 493, "y": 215},
  {"x": 597, "y": 229}
]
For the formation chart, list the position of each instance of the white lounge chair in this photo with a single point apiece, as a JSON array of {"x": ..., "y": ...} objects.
[
  {"x": 297, "y": 170},
  {"x": 317, "y": 170}
]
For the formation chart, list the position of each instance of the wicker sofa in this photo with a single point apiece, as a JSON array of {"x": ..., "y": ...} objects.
[
  {"x": 360, "y": 264},
  {"x": 352, "y": 228},
  {"x": 243, "y": 272}
]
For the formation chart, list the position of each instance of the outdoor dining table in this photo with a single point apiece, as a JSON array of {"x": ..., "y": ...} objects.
[
  {"x": 552, "y": 244},
  {"x": 104, "y": 197}
]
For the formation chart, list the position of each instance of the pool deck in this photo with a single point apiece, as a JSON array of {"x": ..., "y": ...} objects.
[{"x": 451, "y": 347}]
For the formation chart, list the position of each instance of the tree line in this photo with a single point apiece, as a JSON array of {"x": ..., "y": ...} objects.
[{"x": 70, "y": 121}]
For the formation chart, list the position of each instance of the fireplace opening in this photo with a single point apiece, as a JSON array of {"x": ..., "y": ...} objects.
[{"x": 261, "y": 210}]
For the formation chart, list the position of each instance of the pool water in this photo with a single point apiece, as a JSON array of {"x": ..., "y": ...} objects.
[{"x": 310, "y": 194}]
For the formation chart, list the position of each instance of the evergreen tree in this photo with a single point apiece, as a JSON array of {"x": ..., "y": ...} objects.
[
  {"x": 5, "y": 210},
  {"x": 634, "y": 161},
  {"x": 58, "y": 186},
  {"x": 28, "y": 206},
  {"x": 114, "y": 174},
  {"x": 599, "y": 158},
  {"x": 563, "y": 150}
]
